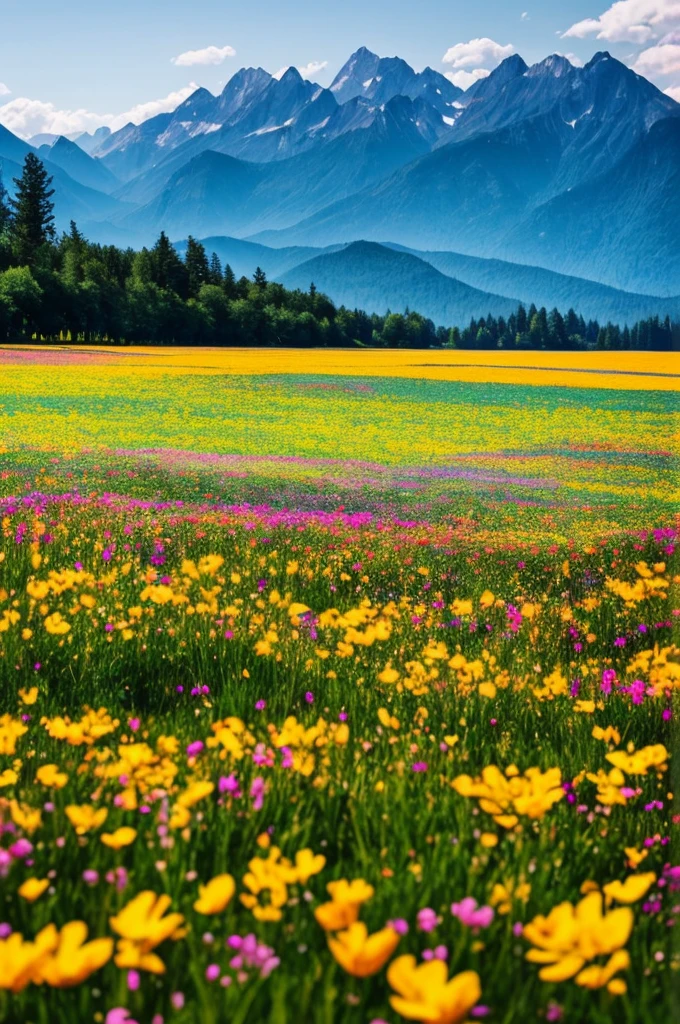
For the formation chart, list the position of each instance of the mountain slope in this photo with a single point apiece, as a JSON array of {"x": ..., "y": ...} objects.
[
  {"x": 244, "y": 257},
  {"x": 462, "y": 195},
  {"x": 215, "y": 193},
  {"x": 626, "y": 233},
  {"x": 376, "y": 278},
  {"x": 547, "y": 288},
  {"x": 81, "y": 167}
]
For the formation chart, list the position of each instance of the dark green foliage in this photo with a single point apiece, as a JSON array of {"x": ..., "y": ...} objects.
[{"x": 32, "y": 224}]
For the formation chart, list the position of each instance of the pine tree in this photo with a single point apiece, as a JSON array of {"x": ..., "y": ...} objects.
[
  {"x": 198, "y": 268},
  {"x": 260, "y": 278},
  {"x": 229, "y": 282},
  {"x": 33, "y": 211},
  {"x": 170, "y": 273},
  {"x": 5, "y": 209},
  {"x": 215, "y": 269}
]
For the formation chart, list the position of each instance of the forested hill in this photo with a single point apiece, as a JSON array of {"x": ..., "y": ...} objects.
[{"x": 68, "y": 289}]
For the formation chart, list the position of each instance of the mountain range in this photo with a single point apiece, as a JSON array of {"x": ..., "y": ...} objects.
[{"x": 559, "y": 178}]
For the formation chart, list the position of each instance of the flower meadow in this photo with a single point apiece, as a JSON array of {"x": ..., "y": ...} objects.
[{"x": 335, "y": 697}]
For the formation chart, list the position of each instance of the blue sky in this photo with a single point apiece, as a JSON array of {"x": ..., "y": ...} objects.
[{"x": 82, "y": 62}]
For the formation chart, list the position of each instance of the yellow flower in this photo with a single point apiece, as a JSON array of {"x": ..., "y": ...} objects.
[
  {"x": 142, "y": 927},
  {"x": 123, "y": 836},
  {"x": 8, "y": 778},
  {"x": 29, "y": 696},
  {"x": 307, "y": 863},
  {"x": 502, "y": 896},
  {"x": 55, "y": 624},
  {"x": 49, "y": 775},
  {"x": 632, "y": 890},
  {"x": 361, "y": 954},
  {"x": 33, "y": 888},
  {"x": 215, "y": 895},
  {"x": 487, "y": 599},
  {"x": 85, "y": 817},
  {"x": 570, "y": 936},
  {"x": 609, "y": 735},
  {"x": 596, "y": 976},
  {"x": 343, "y": 908},
  {"x": 639, "y": 761},
  {"x": 21, "y": 962},
  {"x": 26, "y": 817},
  {"x": 74, "y": 959},
  {"x": 530, "y": 795},
  {"x": 10, "y": 730},
  {"x": 635, "y": 856},
  {"x": 426, "y": 994}
]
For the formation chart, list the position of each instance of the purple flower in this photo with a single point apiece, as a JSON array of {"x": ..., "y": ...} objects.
[
  {"x": 398, "y": 925},
  {"x": 229, "y": 784},
  {"x": 260, "y": 705},
  {"x": 309, "y": 697},
  {"x": 195, "y": 748},
  {"x": 257, "y": 789},
  {"x": 419, "y": 766},
  {"x": 471, "y": 914},
  {"x": 427, "y": 920}
]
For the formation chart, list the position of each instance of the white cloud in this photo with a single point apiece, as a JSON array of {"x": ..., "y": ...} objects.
[
  {"x": 663, "y": 59},
  {"x": 313, "y": 68},
  {"x": 464, "y": 79},
  {"x": 208, "y": 55},
  {"x": 143, "y": 111},
  {"x": 308, "y": 71},
  {"x": 477, "y": 52},
  {"x": 674, "y": 93},
  {"x": 27, "y": 117},
  {"x": 4, "y": 91},
  {"x": 572, "y": 58},
  {"x": 525, "y": 16},
  {"x": 635, "y": 21}
]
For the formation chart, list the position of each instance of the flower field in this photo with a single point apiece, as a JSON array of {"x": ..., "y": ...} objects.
[{"x": 345, "y": 696}]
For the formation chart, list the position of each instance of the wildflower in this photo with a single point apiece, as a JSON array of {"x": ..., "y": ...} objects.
[
  {"x": 48, "y": 775},
  {"x": 123, "y": 836},
  {"x": 343, "y": 908},
  {"x": 20, "y": 961},
  {"x": 531, "y": 794},
  {"x": 632, "y": 889},
  {"x": 426, "y": 994},
  {"x": 85, "y": 818},
  {"x": 33, "y": 888},
  {"x": 427, "y": 919},
  {"x": 470, "y": 914},
  {"x": 143, "y": 926},
  {"x": 74, "y": 959},
  {"x": 307, "y": 863},
  {"x": 570, "y": 936},
  {"x": 215, "y": 896},
  {"x": 361, "y": 954}
]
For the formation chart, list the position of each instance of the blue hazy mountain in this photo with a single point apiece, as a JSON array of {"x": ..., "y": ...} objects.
[
  {"x": 78, "y": 164},
  {"x": 376, "y": 278},
  {"x": 526, "y": 284},
  {"x": 518, "y": 168},
  {"x": 218, "y": 194}
]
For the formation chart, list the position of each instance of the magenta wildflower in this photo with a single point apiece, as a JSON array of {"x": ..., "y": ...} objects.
[{"x": 471, "y": 914}]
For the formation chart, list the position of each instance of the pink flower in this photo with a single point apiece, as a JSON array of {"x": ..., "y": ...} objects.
[
  {"x": 471, "y": 914},
  {"x": 427, "y": 919},
  {"x": 257, "y": 792},
  {"x": 119, "y": 1015}
]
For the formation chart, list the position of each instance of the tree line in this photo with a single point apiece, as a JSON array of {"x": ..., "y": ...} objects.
[{"x": 69, "y": 289}]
